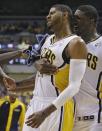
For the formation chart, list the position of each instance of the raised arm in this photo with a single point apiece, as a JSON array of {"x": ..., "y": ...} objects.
[
  {"x": 2, "y": 73},
  {"x": 22, "y": 85},
  {"x": 9, "y": 55},
  {"x": 26, "y": 84}
]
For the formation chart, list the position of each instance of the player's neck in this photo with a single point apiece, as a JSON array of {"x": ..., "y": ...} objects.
[
  {"x": 90, "y": 36},
  {"x": 62, "y": 32}
]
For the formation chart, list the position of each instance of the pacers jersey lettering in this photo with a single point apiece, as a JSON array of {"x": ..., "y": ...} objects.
[
  {"x": 47, "y": 84},
  {"x": 92, "y": 61},
  {"x": 47, "y": 53},
  {"x": 91, "y": 87}
]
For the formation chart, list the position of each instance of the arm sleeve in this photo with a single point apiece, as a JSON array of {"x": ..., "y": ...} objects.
[{"x": 76, "y": 73}]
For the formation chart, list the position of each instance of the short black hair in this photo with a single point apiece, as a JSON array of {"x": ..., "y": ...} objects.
[
  {"x": 64, "y": 8},
  {"x": 90, "y": 11}
]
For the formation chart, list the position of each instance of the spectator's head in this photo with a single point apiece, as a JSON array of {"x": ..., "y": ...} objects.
[{"x": 12, "y": 98}]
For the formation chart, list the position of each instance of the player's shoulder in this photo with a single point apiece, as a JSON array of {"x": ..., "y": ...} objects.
[{"x": 77, "y": 41}]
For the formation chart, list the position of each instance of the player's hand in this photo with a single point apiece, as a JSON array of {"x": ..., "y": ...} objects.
[
  {"x": 44, "y": 67},
  {"x": 9, "y": 83},
  {"x": 35, "y": 119}
]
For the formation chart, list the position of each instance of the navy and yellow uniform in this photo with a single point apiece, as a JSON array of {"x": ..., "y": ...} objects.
[
  {"x": 4, "y": 112},
  {"x": 11, "y": 115}
]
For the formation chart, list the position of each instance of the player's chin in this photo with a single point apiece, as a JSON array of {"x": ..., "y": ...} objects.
[
  {"x": 50, "y": 28},
  {"x": 49, "y": 24}
]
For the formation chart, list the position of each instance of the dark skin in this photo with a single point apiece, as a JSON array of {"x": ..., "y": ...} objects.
[
  {"x": 4, "y": 78},
  {"x": 88, "y": 35},
  {"x": 12, "y": 98},
  {"x": 4, "y": 58},
  {"x": 37, "y": 118},
  {"x": 22, "y": 85},
  {"x": 86, "y": 26},
  {"x": 9, "y": 80},
  {"x": 44, "y": 67},
  {"x": 57, "y": 21}
]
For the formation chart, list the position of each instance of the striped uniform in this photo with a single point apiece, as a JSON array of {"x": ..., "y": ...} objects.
[
  {"x": 89, "y": 98},
  {"x": 48, "y": 87},
  {"x": 11, "y": 115}
]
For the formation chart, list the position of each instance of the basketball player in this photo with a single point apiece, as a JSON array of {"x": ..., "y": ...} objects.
[
  {"x": 52, "y": 107},
  {"x": 89, "y": 98}
]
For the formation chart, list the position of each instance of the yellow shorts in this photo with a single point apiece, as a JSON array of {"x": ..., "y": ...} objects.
[{"x": 68, "y": 116}]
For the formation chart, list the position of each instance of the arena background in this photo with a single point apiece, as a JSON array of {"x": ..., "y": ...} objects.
[{"x": 22, "y": 22}]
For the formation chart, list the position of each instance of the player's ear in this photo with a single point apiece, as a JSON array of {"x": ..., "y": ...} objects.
[{"x": 65, "y": 14}]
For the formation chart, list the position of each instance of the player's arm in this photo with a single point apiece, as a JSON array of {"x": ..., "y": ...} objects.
[
  {"x": 24, "y": 88},
  {"x": 2, "y": 73},
  {"x": 9, "y": 55},
  {"x": 22, "y": 85},
  {"x": 9, "y": 80},
  {"x": 77, "y": 52},
  {"x": 26, "y": 84},
  {"x": 28, "y": 81}
]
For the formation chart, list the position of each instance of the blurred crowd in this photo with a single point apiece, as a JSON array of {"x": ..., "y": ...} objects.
[
  {"x": 13, "y": 27},
  {"x": 20, "y": 32}
]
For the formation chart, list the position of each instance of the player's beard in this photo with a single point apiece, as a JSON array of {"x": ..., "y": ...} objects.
[{"x": 49, "y": 26}]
